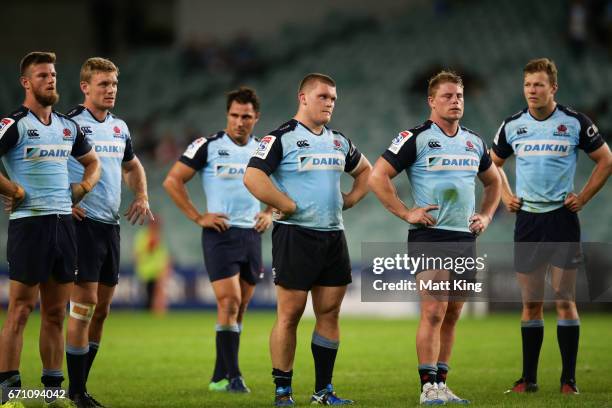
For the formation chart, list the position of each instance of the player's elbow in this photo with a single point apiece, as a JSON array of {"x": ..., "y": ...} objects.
[
  {"x": 169, "y": 183},
  {"x": 375, "y": 179}
]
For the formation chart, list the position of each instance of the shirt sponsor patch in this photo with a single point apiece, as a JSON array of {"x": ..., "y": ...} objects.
[
  {"x": 452, "y": 162},
  {"x": 230, "y": 170},
  {"x": 264, "y": 147},
  {"x": 4, "y": 125},
  {"x": 109, "y": 149},
  {"x": 321, "y": 162},
  {"x": 398, "y": 142},
  {"x": 542, "y": 148},
  {"x": 193, "y": 148},
  {"x": 47, "y": 153}
]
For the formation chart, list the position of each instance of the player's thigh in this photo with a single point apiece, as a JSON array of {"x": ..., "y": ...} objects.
[
  {"x": 563, "y": 282},
  {"x": 327, "y": 299},
  {"x": 247, "y": 290},
  {"x": 105, "y": 297},
  {"x": 54, "y": 297},
  {"x": 290, "y": 303},
  {"x": 227, "y": 288},
  {"x": 532, "y": 284},
  {"x": 22, "y": 296}
]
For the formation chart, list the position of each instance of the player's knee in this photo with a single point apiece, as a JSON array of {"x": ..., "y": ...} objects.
[
  {"x": 82, "y": 311},
  {"x": 566, "y": 309},
  {"x": 289, "y": 320},
  {"x": 533, "y": 309},
  {"x": 433, "y": 314},
  {"x": 229, "y": 305},
  {"x": 19, "y": 315},
  {"x": 101, "y": 313},
  {"x": 54, "y": 315},
  {"x": 452, "y": 315}
]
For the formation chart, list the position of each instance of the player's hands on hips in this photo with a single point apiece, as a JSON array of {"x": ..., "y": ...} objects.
[
  {"x": 573, "y": 202},
  {"x": 263, "y": 220},
  {"x": 420, "y": 215},
  {"x": 139, "y": 210},
  {"x": 216, "y": 221},
  {"x": 479, "y": 223},
  {"x": 12, "y": 202},
  {"x": 280, "y": 214},
  {"x": 78, "y": 213},
  {"x": 512, "y": 202}
]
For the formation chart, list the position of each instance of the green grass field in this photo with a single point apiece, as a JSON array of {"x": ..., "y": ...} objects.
[{"x": 147, "y": 361}]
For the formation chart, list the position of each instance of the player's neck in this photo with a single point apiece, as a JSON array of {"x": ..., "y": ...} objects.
[
  {"x": 43, "y": 113},
  {"x": 239, "y": 140},
  {"x": 449, "y": 128},
  {"x": 98, "y": 114},
  {"x": 315, "y": 128},
  {"x": 544, "y": 112}
]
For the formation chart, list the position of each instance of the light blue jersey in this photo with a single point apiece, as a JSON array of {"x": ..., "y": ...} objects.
[
  {"x": 35, "y": 156},
  {"x": 546, "y": 154},
  {"x": 441, "y": 170},
  {"x": 112, "y": 143},
  {"x": 222, "y": 163},
  {"x": 307, "y": 167}
]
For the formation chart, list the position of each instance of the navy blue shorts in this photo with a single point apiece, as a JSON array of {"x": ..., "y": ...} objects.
[
  {"x": 99, "y": 249},
  {"x": 440, "y": 247},
  {"x": 303, "y": 257},
  {"x": 547, "y": 238},
  {"x": 235, "y": 251},
  {"x": 42, "y": 247}
]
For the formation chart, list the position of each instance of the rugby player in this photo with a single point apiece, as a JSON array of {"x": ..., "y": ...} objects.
[
  {"x": 296, "y": 169},
  {"x": 231, "y": 226},
  {"x": 35, "y": 144},
  {"x": 97, "y": 220},
  {"x": 545, "y": 137},
  {"x": 441, "y": 159}
]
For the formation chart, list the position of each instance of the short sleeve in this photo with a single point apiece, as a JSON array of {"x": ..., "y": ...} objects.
[
  {"x": 9, "y": 135},
  {"x": 353, "y": 157},
  {"x": 402, "y": 153},
  {"x": 501, "y": 147},
  {"x": 196, "y": 154},
  {"x": 128, "y": 153},
  {"x": 485, "y": 158},
  {"x": 268, "y": 154},
  {"x": 590, "y": 139},
  {"x": 81, "y": 146}
]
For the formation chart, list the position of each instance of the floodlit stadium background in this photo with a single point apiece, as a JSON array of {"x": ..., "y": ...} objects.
[{"x": 178, "y": 58}]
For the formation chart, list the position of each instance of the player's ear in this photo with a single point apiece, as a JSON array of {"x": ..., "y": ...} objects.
[
  {"x": 302, "y": 98},
  {"x": 430, "y": 101},
  {"x": 85, "y": 87},
  {"x": 25, "y": 83}
]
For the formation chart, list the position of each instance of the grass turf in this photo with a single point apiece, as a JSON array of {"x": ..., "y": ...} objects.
[{"x": 147, "y": 361}]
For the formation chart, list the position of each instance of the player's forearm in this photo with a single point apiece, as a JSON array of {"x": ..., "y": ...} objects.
[
  {"x": 261, "y": 187},
  {"x": 178, "y": 193},
  {"x": 506, "y": 190},
  {"x": 596, "y": 181},
  {"x": 92, "y": 169},
  {"x": 136, "y": 179},
  {"x": 490, "y": 199},
  {"x": 7, "y": 187},
  {"x": 385, "y": 191}
]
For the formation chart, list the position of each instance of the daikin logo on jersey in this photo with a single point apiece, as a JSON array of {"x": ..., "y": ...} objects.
[
  {"x": 109, "y": 149},
  {"x": 542, "y": 148},
  {"x": 47, "y": 152},
  {"x": 321, "y": 162},
  {"x": 230, "y": 170},
  {"x": 452, "y": 162}
]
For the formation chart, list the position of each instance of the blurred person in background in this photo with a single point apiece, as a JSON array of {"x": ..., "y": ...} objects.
[
  {"x": 231, "y": 226},
  {"x": 153, "y": 265}
]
